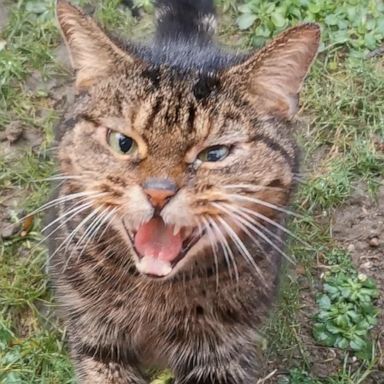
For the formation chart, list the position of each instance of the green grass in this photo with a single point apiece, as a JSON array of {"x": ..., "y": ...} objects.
[{"x": 343, "y": 107}]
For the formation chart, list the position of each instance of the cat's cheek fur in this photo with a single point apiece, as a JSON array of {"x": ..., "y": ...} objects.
[
  {"x": 136, "y": 209},
  {"x": 178, "y": 210}
]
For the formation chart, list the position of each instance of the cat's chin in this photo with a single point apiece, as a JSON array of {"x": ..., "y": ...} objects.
[{"x": 159, "y": 250}]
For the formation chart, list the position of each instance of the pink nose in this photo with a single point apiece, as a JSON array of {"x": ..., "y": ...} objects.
[{"x": 159, "y": 197}]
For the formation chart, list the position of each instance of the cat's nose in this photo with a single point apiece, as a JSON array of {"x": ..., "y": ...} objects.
[{"x": 159, "y": 191}]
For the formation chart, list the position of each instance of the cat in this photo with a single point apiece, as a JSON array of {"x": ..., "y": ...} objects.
[{"x": 177, "y": 165}]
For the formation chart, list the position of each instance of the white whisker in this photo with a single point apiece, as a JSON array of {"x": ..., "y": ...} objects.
[
  {"x": 265, "y": 204},
  {"x": 252, "y": 221},
  {"x": 251, "y": 187},
  {"x": 57, "y": 201},
  {"x": 245, "y": 225},
  {"x": 241, "y": 247},
  {"x": 228, "y": 254},
  {"x": 91, "y": 231},
  {"x": 71, "y": 210},
  {"x": 58, "y": 177},
  {"x": 69, "y": 238},
  {"x": 272, "y": 222}
]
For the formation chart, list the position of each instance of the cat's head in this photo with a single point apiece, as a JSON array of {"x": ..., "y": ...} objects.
[{"x": 183, "y": 164}]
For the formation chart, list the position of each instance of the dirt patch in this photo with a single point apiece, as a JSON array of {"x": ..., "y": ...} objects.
[
  {"x": 322, "y": 362},
  {"x": 359, "y": 227}
]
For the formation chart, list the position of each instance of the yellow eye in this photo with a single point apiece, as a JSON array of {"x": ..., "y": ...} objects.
[
  {"x": 120, "y": 143},
  {"x": 214, "y": 153}
]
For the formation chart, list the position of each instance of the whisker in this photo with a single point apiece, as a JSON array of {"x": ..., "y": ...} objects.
[
  {"x": 66, "y": 213},
  {"x": 251, "y": 187},
  {"x": 95, "y": 212},
  {"x": 228, "y": 254},
  {"x": 77, "y": 210},
  {"x": 274, "y": 223},
  {"x": 241, "y": 247},
  {"x": 91, "y": 231},
  {"x": 70, "y": 236},
  {"x": 114, "y": 210},
  {"x": 57, "y": 201},
  {"x": 251, "y": 220},
  {"x": 83, "y": 208},
  {"x": 58, "y": 177},
  {"x": 265, "y": 204},
  {"x": 244, "y": 224}
]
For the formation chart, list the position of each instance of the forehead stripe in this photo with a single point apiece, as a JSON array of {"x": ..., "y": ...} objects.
[{"x": 275, "y": 146}]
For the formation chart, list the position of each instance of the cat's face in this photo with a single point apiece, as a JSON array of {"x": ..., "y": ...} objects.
[{"x": 184, "y": 165}]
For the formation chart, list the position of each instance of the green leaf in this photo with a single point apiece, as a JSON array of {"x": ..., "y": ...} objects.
[
  {"x": 353, "y": 316},
  {"x": 263, "y": 31},
  {"x": 343, "y": 24},
  {"x": 324, "y": 302},
  {"x": 278, "y": 20},
  {"x": 341, "y": 37},
  {"x": 341, "y": 343},
  {"x": 380, "y": 29},
  {"x": 315, "y": 7},
  {"x": 357, "y": 343},
  {"x": 370, "y": 41},
  {"x": 342, "y": 321},
  {"x": 331, "y": 19},
  {"x": 244, "y": 8},
  {"x": 36, "y": 7},
  {"x": 333, "y": 329},
  {"x": 330, "y": 288},
  {"x": 246, "y": 21}
]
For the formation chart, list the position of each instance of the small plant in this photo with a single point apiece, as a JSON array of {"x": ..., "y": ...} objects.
[
  {"x": 347, "y": 312},
  {"x": 297, "y": 376},
  {"x": 357, "y": 23}
]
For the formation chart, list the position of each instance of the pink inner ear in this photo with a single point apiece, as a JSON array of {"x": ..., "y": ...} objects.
[{"x": 155, "y": 239}]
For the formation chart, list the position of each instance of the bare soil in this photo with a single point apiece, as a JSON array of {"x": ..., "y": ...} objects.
[{"x": 359, "y": 227}]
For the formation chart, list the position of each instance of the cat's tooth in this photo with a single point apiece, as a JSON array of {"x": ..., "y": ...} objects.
[
  {"x": 176, "y": 229},
  {"x": 166, "y": 269},
  {"x": 152, "y": 266}
]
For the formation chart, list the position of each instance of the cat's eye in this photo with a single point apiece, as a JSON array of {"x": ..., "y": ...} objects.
[
  {"x": 214, "y": 153},
  {"x": 120, "y": 143}
]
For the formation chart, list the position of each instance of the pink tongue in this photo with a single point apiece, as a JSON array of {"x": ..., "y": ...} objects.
[{"x": 156, "y": 240}]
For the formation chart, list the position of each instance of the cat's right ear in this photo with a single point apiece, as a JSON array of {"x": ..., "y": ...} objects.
[
  {"x": 93, "y": 55},
  {"x": 273, "y": 76}
]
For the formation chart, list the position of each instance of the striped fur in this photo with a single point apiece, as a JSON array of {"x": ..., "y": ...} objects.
[{"x": 175, "y": 97}]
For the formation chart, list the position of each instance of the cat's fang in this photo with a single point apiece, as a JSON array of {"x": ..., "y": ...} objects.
[{"x": 176, "y": 229}]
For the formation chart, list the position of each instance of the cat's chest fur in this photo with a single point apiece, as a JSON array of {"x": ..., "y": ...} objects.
[{"x": 152, "y": 319}]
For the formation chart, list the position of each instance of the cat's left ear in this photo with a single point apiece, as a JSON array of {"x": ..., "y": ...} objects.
[
  {"x": 272, "y": 77},
  {"x": 93, "y": 54}
]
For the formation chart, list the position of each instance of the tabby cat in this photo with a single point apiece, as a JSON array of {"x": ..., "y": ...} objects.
[{"x": 177, "y": 163}]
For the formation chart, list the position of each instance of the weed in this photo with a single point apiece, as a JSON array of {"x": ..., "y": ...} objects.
[
  {"x": 357, "y": 24},
  {"x": 347, "y": 312}
]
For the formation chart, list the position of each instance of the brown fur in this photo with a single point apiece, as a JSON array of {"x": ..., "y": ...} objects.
[{"x": 202, "y": 321}]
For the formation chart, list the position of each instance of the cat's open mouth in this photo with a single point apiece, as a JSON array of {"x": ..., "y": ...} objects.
[{"x": 160, "y": 246}]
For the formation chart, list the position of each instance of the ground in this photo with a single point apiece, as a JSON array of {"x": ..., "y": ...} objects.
[{"x": 340, "y": 201}]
